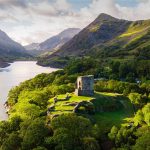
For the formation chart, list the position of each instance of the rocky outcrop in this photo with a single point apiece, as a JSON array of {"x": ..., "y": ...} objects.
[{"x": 89, "y": 107}]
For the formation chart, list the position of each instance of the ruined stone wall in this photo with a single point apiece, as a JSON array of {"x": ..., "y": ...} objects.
[{"x": 85, "y": 86}]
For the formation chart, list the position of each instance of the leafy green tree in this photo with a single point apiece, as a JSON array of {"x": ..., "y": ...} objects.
[
  {"x": 146, "y": 112},
  {"x": 146, "y": 88},
  {"x": 69, "y": 131},
  {"x": 139, "y": 117},
  {"x": 135, "y": 98},
  {"x": 13, "y": 142},
  {"x": 90, "y": 143},
  {"x": 143, "y": 142},
  {"x": 35, "y": 134},
  {"x": 15, "y": 123},
  {"x": 113, "y": 133}
]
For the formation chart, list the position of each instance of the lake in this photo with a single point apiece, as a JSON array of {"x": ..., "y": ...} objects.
[{"x": 16, "y": 73}]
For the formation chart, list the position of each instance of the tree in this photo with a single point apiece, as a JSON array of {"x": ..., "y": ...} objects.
[
  {"x": 135, "y": 98},
  {"x": 146, "y": 112},
  {"x": 113, "y": 133},
  {"x": 143, "y": 142},
  {"x": 90, "y": 143},
  {"x": 12, "y": 142},
  {"x": 35, "y": 134},
  {"x": 69, "y": 131},
  {"x": 139, "y": 117}
]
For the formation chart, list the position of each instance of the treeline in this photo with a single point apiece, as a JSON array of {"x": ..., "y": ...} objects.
[
  {"x": 125, "y": 70},
  {"x": 130, "y": 71},
  {"x": 122, "y": 87}
]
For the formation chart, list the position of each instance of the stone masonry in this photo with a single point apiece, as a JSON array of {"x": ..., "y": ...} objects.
[{"x": 85, "y": 86}]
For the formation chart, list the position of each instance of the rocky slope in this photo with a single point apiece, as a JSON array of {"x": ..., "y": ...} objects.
[{"x": 9, "y": 49}]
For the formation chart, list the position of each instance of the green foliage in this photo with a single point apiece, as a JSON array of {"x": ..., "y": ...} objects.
[
  {"x": 34, "y": 134},
  {"x": 130, "y": 70},
  {"x": 89, "y": 143},
  {"x": 146, "y": 112},
  {"x": 113, "y": 133},
  {"x": 143, "y": 116},
  {"x": 135, "y": 98},
  {"x": 12, "y": 142},
  {"x": 143, "y": 142},
  {"x": 122, "y": 136},
  {"x": 116, "y": 87},
  {"x": 40, "y": 148},
  {"x": 30, "y": 125},
  {"x": 136, "y": 133},
  {"x": 70, "y": 130}
]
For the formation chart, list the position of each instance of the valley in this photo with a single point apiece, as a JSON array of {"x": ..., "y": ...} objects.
[
  {"x": 105, "y": 38},
  {"x": 98, "y": 99}
]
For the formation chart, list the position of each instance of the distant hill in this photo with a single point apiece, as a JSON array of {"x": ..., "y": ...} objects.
[
  {"x": 32, "y": 46},
  {"x": 9, "y": 49},
  {"x": 53, "y": 43},
  {"x": 106, "y": 37}
]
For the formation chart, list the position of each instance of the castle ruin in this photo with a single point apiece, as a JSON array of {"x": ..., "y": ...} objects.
[{"x": 85, "y": 86}]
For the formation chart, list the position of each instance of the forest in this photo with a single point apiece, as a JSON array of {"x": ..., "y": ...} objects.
[{"x": 120, "y": 120}]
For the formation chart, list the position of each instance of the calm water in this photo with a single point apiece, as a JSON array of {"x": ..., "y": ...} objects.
[{"x": 14, "y": 74}]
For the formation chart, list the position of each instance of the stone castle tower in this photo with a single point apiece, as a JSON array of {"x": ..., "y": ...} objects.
[{"x": 85, "y": 86}]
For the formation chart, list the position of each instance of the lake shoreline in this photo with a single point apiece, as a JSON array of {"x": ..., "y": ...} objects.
[
  {"x": 4, "y": 64},
  {"x": 12, "y": 75}
]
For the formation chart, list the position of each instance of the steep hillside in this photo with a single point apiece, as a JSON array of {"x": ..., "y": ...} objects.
[
  {"x": 100, "y": 31},
  {"x": 9, "y": 49},
  {"x": 133, "y": 43},
  {"x": 53, "y": 43},
  {"x": 106, "y": 37}
]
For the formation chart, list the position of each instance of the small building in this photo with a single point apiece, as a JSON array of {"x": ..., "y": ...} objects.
[{"x": 85, "y": 86}]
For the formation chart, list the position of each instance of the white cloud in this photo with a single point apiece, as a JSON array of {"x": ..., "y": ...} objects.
[
  {"x": 140, "y": 12},
  {"x": 12, "y": 3},
  {"x": 34, "y": 21}
]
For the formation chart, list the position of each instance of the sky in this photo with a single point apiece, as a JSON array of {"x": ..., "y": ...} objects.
[{"x": 32, "y": 21}]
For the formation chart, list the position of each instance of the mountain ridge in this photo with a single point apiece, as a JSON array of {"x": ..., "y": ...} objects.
[
  {"x": 52, "y": 43},
  {"x": 10, "y": 49},
  {"x": 105, "y": 37}
]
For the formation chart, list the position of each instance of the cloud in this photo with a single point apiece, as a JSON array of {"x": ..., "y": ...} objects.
[
  {"x": 29, "y": 21},
  {"x": 12, "y": 3},
  {"x": 138, "y": 12},
  {"x": 47, "y": 9}
]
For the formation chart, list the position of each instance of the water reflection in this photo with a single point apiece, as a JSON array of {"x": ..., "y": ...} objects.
[{"x": 14, "y": 74}]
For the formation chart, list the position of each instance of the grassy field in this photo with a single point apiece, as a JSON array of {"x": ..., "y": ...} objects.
[
  {"x": 64, "y": 106},
  {"x": 110, "y": 108},
  {"x": 108, "y": 119}
]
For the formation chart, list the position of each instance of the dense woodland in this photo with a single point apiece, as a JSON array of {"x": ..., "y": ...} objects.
[{"x": 29, "y": 127}]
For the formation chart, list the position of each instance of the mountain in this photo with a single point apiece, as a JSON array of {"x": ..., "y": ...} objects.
[
  {"x": 9, "y": 49},
  {"x": 32, "y": 46},
  {"x": 52, "y": 43},
  {"x": 105, "y": 37}
]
